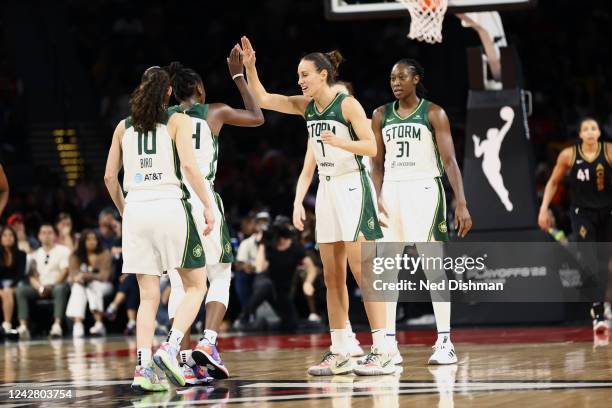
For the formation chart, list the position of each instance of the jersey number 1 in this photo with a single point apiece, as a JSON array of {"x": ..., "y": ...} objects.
[
  {"x": 322, "y": 146},
  {"x": 143, "y": 143}
]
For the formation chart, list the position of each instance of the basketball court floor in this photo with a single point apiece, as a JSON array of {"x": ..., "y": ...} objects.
[{"x": 544, "y": 366}]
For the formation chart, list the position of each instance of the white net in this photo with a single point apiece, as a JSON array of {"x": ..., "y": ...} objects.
[{"x": 426, "y": 19}]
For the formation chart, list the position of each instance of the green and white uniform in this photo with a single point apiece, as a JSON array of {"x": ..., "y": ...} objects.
[
  {"x": 412, "y": 192},
  {"x": 345, "y": 199},
  {"x": 217, "y": 244},
  {"x": 159, "y": 233}
]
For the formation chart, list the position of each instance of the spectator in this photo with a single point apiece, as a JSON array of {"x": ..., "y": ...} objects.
[
  {"x": 25, "y": 243},
  {"x": 109, "y": 228},
  {"x": 48, "y": 279},
  {"x": 278, "y": 256},
  {"x": 65, "y": 236},
  {"x": 126, "y": 292},
  {"x": 12, "y": 270},
  {"x": 245, "y": 259},
  {"x": 90, "y": 270}
]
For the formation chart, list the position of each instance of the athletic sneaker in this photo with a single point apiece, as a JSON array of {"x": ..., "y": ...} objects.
[
  {"x": 98, "y": 329},
  {"x": 78, "y": 330},
  {"x": 443, "y": 353},
  {"x": 7, "y": 326},
  {"x": 23, "y": 332},
  {"x": 165, "y": 359},
  {"x": 195, "y": 375},
  {"x": 56, "y": 330},
  {"x": 396, "y": 356},
  {"x": 145, "y": 379},
  {"x": 206, "y": 354},
  {"x": 376, "y": 363},
  {"x": 600, "y": 324},
  {"x": 111, "y": 312},
  {"x": 333, "y": 364},
  {"x": 353, "y": 346},
  {"x": 130, "y": 328},
  {"x": 313, "y": 317}
]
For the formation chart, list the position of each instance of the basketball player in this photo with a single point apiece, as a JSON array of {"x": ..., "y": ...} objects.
[
  {"x": 345, "y": 213},
  {"x": 589, "y": 163},
  {"x": 208, "y": 119},
  {"x": 415, "y": 147},
  {"x": 159, "y": 233}
]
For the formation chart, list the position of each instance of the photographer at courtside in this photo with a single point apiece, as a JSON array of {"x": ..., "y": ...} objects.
[{"x": 278, "y": 257}]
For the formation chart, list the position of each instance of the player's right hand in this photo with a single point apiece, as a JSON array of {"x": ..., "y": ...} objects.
[
  {"x": 248, "y": 53},
  {"x": 209, "y": 217},
  {"x": 543, "y": 220},
  {"x": 299, "y": 216}
]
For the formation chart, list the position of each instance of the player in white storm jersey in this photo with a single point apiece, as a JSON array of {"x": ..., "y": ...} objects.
[
  {"x": 415, "y": 146},
  {"x": 208, "y": 119},
  {"x": 159, "y": 233},
  {"x": 339, "y": 136}
]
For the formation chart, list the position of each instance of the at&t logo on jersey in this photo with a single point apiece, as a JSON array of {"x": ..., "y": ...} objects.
[
  {"x": 197, "y": 251},
  {"x": 138, "y": 178}
]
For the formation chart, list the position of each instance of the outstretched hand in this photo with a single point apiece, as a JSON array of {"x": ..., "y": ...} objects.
[
  {"x": 234, "y": 61},
  {"x": 248, "y": 53}
]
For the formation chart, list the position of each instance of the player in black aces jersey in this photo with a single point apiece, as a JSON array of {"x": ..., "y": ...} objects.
[{"x": 589, "y": 163}]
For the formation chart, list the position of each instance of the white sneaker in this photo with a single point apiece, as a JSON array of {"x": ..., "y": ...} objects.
[
  {"x": 56, "y": 330},
  {"x": 78, "y": 330},
  {"x": 313, "y": 317},
  {"x": 332, "y": 364},
  {"x": 600, "y": 326},
  {"x": 376, "y": 363},
  {"x": 98, "y": 329},
  {"x": 444, "y": 353},
  {"x": 353, "y": 346},
  {"x": 396, "y": 356},
  {"x": 24, "y": 333},
  {"x": 6, "y": 326}
]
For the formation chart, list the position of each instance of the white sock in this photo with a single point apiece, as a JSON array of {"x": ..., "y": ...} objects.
[
  {"x": 349, "y": 329},
  {"x": 442, "y": 311},
  {"x": 186, "y": 358},
  {"x": 131, "y": 323},
  {"x": 442, "y": 336},
  {"x": 143, "y": 356},
  {"x": 379, "y": 340},
  {"x": 339, "y": 339},
  {"x": 211, "y": 336},
  {"x": 174, "y": 337}
]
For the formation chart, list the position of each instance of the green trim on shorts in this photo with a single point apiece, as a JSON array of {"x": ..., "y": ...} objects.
[
  {"x": 368, "y": 223},
  {"x": 193, "y": 253},
  {"x": 439, "y": 229},
  {"x": 227, "y": 253}
]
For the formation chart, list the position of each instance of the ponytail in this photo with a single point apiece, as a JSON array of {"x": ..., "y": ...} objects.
[{"x": 148, "y": 101}]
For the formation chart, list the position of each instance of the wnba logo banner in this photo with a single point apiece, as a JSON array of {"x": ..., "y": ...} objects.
[{"x": 498, "y": 170}]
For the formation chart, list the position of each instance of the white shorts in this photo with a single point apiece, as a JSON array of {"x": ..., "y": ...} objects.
[
  {"x": 158, "y": 236},
  {"x": 416, "y": 211},
  {"x": 217, "y": 244},
  {"x": 346, "y": 207}
]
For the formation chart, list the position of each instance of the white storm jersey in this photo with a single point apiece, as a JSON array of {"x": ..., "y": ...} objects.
[
  {"x": 206, "y": 145},
  {"x": 151, "y": 165},
  {"x": 331, "y": 160},
  {"x": 411, "y": 152}
]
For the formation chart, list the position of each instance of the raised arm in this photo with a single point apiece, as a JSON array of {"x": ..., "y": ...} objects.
[
  {"x": 220, "y": 114},
  {"x": 183, "y": 128},
  {"x": 564, "y": 162},
  {"x": 439, "y": 121},
  {"x": 303, "y": 183},
  {"x": 113, "y": 166},
  {"x": 293, "y": 105},
  {"x": 365, "y": 145}
]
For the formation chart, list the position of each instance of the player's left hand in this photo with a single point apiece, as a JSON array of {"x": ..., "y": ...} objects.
[
  {"x": 329, "y": 138},
  {"x": 463, "y": 220},
  {"x": 234, "y": 61},
  {"x": 209, "y": 217}
]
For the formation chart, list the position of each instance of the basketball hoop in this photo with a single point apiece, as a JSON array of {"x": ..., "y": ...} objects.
[{"x": 426, "y": 19}]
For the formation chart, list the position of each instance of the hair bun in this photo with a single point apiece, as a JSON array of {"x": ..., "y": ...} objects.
[{"x": 335, "y": 58}]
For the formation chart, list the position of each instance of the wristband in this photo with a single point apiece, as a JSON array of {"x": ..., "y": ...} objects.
[{"x": 237, "y": 75}]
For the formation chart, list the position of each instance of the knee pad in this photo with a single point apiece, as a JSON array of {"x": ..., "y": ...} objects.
[{"x": 219, "y": 276}]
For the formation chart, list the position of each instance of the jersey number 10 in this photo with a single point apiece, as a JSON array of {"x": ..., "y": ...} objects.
[{"x": 149, "y": 145}]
